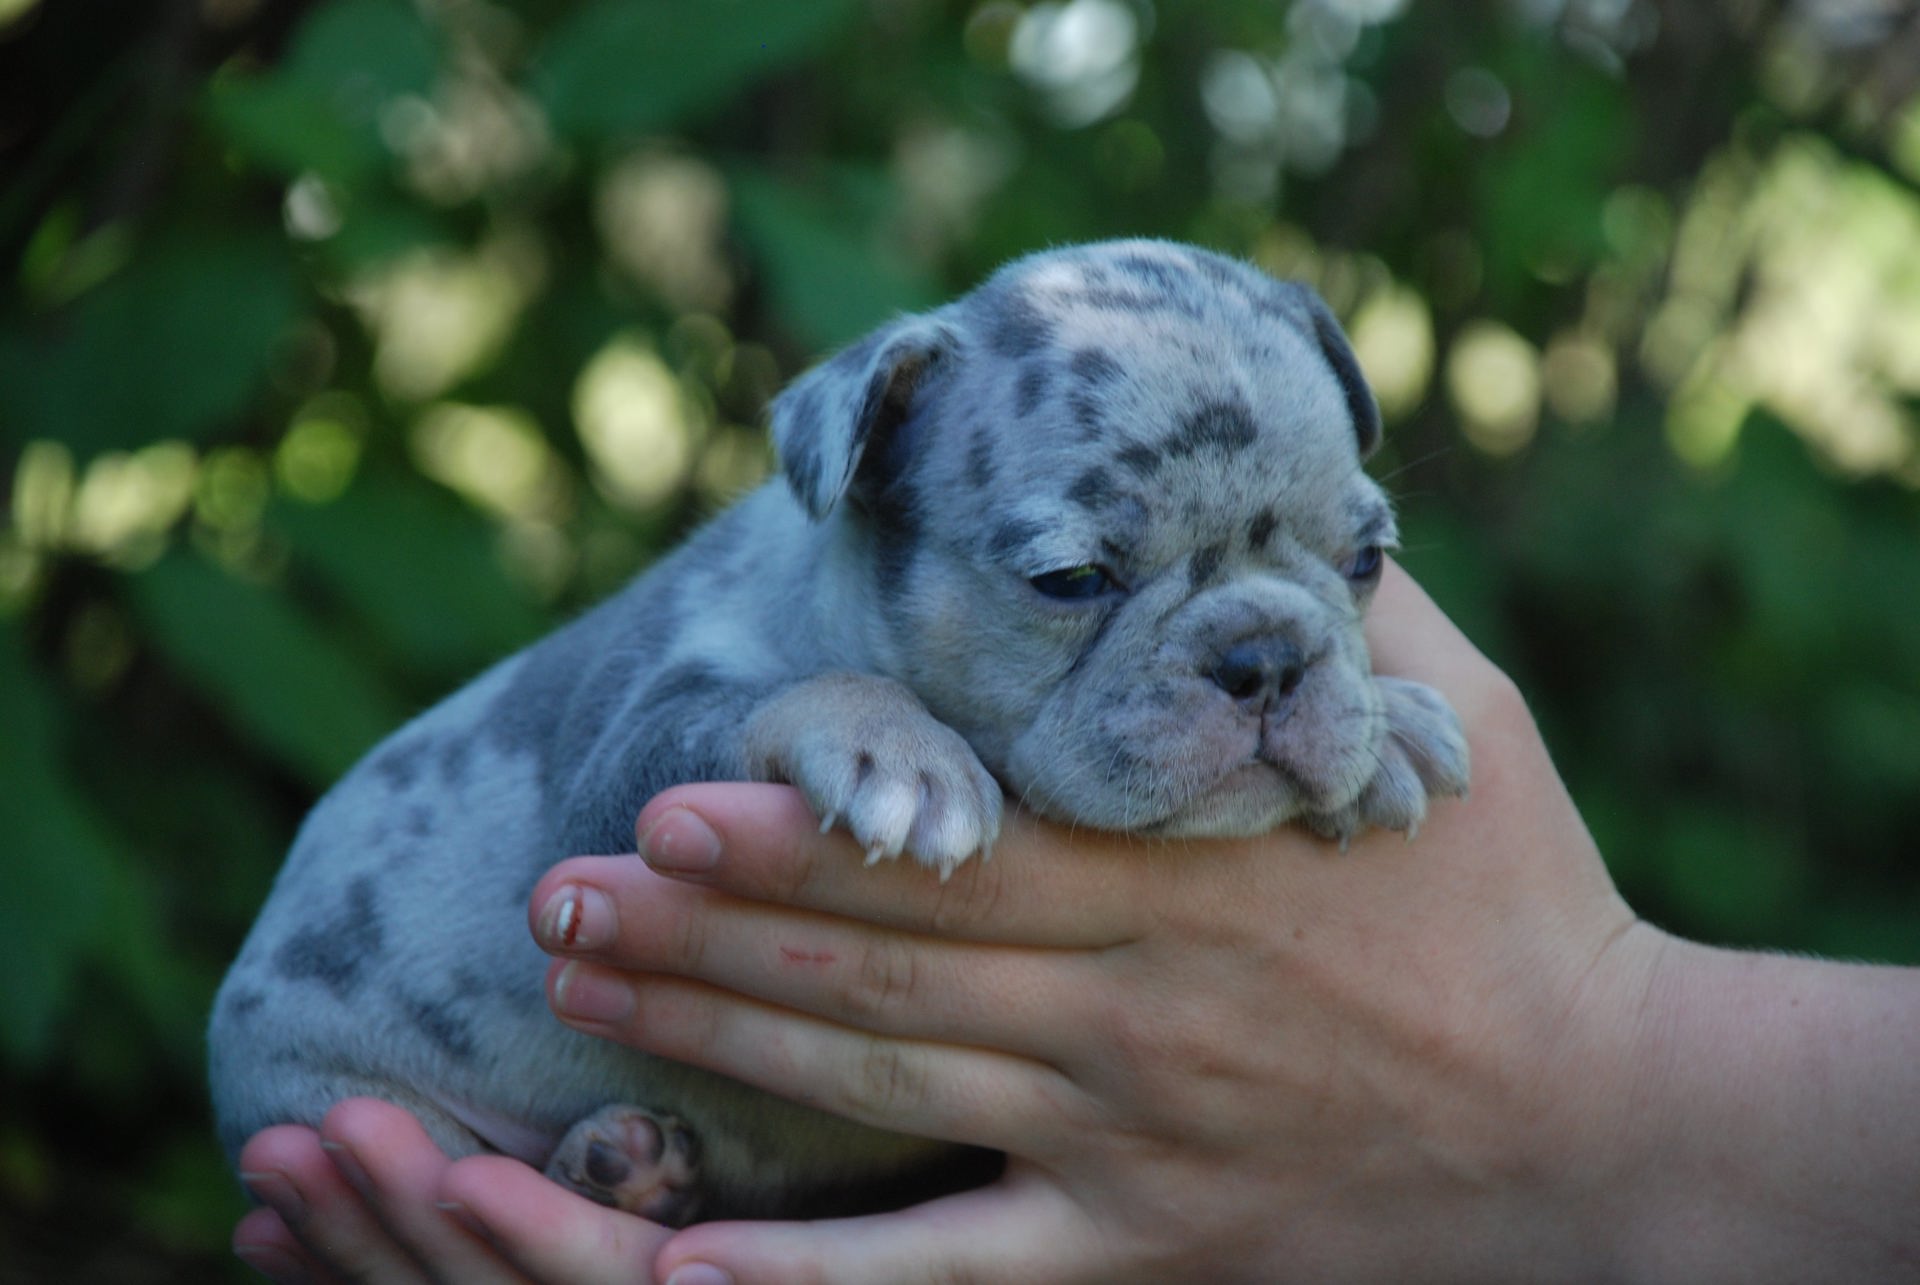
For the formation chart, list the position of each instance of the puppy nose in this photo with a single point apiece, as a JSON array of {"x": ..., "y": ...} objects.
[{"x": 1259, "y": 672}]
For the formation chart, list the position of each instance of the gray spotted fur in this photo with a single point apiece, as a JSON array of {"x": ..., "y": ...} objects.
[{"x": 1177, "y": 418}]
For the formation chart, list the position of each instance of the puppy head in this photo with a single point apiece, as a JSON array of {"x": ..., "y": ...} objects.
[{"x": 1122, "y": 541}]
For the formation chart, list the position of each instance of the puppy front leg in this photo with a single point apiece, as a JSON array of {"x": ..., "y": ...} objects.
[{"x": 869, "y": 756}]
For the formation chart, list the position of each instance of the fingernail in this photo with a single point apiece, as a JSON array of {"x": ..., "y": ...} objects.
[
  {"x": 276, "y": 1191},
  {"x": 680, "y": 842},
  {"x": 348, "y": 1164},
  {"x": 274, "y": 1263},
  {"x": 589, "y": 996},
  {"x": 576, "y": 918},
  {"x": 698, "y": 1274}
]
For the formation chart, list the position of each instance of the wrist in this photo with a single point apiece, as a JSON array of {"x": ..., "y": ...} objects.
[{"x": 1755, "y": 1123}]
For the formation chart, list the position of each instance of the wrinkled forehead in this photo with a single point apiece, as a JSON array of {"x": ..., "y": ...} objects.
[{"x": 1161, "y": 385}]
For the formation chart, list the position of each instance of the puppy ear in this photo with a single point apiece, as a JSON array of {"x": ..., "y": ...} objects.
[
  {"x": 1339, "y": 353},
  {"x": 826, "y": 420}
]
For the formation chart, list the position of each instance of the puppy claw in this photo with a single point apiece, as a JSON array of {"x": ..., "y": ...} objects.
[{"x": 869, "y": 757}]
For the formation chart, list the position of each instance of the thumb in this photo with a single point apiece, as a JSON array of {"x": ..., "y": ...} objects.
[{"x": 1021, "y": 1229}]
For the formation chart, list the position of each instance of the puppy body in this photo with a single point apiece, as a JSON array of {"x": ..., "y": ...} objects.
[{"x": 1096, "y": 532}]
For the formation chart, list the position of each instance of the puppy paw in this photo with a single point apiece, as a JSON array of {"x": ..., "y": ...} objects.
[
  {"x": 1422, "y": 755},
  {"x": 644, "y": 1162},
  {"x": 870, "y": 757}
]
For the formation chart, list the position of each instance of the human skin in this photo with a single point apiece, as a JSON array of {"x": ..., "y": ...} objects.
[{"x": 1456, "y": 1058}]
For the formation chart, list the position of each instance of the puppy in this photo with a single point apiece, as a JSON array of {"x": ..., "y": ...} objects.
[{"x": 1096, "y": 533}]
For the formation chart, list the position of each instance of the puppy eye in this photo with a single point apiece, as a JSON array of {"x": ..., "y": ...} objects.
[
  {"x": 1073, "y": 584},
  {"x": 1366, "y": 564}
]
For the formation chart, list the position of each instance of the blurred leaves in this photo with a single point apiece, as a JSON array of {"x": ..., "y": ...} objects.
[
  {"x": 825, "y": 273},
  {"x": 173, "y": 345},
  {"x": 447, "y": 606},
  {"x": 320, "y": 110},
  {"x": 619, "y": 67},
  {"x": 56, "y": 900},
  {"x": 267, "y": 665}
]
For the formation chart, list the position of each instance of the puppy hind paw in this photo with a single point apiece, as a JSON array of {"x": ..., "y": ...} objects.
[{"x": 644, "y": 1162}]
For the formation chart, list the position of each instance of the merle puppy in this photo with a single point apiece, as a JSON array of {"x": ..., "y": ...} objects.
[{"x": 1096, "y": 534}]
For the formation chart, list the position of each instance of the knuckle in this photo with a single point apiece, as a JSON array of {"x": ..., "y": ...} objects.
[
  {"x": 687, "y": 938},
  {"x": 885, "y": 981},
  {"x": 973, "y": 896},
  {"x": 1157, "y": 1042},
  {"x": 704, "y": 1023},
  {"x": 888, "y": 1080},
  {"x": 799, "y": 868}
]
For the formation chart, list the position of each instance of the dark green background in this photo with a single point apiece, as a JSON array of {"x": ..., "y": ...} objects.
[{"x": 1664, "y": 260}]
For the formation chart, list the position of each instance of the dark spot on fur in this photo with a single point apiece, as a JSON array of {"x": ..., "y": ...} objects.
[
  {"x": 1219, "y": 425},
  {"x": 1284, "y": 301},
  {"x": 456, "y": 752},
  {"x": 690, "y": 678},
  {"x": 1261, "y": 529},
  {"x": 980, "y": 459},
  {"x": 896, "y": 535},
  {"x": 447, "y": 1030},
  {"x": 1221, "y": 271},
  {"x": 1031, "y": 389},
  {"x": 1087, "y": 414},
  {"x": 1206, "y": 564},
  {"x": 399, "y": 764},
  {"x": 1016, "y": 327},
  {"x": 330, "y": 950},
  {"x": 1141, "y": 459},
  {"x": 241, "y": 1005},
  {"x": 1157, "y": 273},
  {"x": 1011, "y": 536},
  {"x": 1094, "y": 366},
  {"x": 1093, "y": 489},
  {"x": 419, "y": 822}
]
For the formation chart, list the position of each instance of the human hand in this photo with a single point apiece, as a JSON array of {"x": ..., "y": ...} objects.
[
  {"x": 1247, "y": 1060},
  {"x": 369, "y": 1198}
]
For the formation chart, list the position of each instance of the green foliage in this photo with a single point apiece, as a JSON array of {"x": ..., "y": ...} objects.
[
  {"x": 825, "y": 275},
  {"x": 348, "y": 346},
  {"x": 172, "y": 346},
  {"x": 267, "y": 665},
  {"x": 620, "y": 67}
]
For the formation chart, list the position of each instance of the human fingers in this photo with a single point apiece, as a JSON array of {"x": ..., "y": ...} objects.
[
  {"x": 263, "y": 1242},
  {"x": 1015, "y": 1230},
  {"x": 386, "y": 1155},
  {"x": 944, "y": 1091},
  {"x": 552, "y": 1235},
  {"x": 616, "y": 912},
  {"x": 325, "y": 1232},
  {"x": 762, "y": 843}
]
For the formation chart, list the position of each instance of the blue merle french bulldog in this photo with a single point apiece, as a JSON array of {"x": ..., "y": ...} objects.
[{"x": 1096, "y": 534}]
